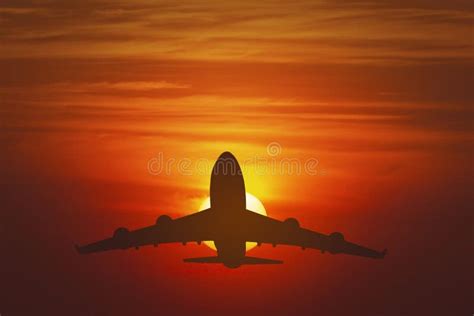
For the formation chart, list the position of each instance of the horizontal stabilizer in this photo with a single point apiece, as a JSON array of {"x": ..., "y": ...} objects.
[
  {"x": 245, "y": 260},
  {"x": 203, "y": 260},
  {"x": 254, "y": 260}
]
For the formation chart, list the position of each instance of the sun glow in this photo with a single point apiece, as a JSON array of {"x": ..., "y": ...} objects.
[{"x": 253, "y": 204}]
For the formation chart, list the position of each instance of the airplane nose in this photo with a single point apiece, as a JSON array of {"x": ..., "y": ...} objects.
[
  {"x": 227, "y": 184},
  {"x": 226, "y": 155}
]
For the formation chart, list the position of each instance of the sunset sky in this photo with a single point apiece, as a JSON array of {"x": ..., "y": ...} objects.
[{"x": 379, "y": 93}]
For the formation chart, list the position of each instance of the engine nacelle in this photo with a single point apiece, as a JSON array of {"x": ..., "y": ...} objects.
[
  {"x": 163, "y": 221},
  {"x": 121, "y": 237},
  {"x": 292, "y": 223},
  {"x": 337, "y": 236},
  {"x": 121, "y": 233}
]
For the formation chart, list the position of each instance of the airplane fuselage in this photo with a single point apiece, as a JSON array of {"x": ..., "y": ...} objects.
[{"x": 228, "y": 200}]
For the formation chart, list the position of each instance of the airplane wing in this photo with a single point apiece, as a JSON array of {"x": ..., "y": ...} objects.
[
  {"x": 194, "y": 227},
  {"x": 263, "y": 229}
]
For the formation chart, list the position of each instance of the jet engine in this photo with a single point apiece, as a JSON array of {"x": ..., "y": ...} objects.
[
  {"x": 292, "y": 223},
  {"x": 337, "y": 236},
  {"x": 163, "y": 221},
  {"x": 336, "y": 240},
  {"x": 121, "y": 233},
  {"x": 121, "y": 237}
]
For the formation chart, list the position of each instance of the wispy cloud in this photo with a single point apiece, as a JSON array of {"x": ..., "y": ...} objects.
[
  {"x": 119, "y": 85},
  {"x": 270, "y": 31},
  {"x": 349, "y": 81}
]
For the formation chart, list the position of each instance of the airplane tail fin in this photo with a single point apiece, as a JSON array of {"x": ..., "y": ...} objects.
[{"x": 245, "y": 260}]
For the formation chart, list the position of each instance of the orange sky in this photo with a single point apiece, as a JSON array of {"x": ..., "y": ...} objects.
[{"x": 378, "y": 92}]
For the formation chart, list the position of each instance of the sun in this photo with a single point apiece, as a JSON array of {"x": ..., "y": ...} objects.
[{"x": 253, "y": 204}]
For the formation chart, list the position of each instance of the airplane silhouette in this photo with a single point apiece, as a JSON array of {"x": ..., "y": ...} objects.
[{"x": 230, "y": 225}]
